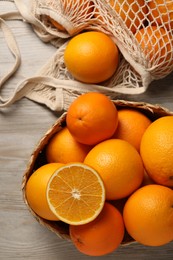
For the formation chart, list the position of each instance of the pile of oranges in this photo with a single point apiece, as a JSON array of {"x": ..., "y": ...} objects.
[
  {"x": 109, "y": 172},
  {"x": 93, "y": 56}
]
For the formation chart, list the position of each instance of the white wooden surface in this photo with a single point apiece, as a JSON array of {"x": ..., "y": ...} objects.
[{"x": 21, "y": 127}]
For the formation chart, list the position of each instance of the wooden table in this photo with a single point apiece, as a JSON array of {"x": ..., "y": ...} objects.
[{"x": 21, "y": 127}]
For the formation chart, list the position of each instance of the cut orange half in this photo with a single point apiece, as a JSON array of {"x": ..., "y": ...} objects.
[{"x": 76, "y": 193}]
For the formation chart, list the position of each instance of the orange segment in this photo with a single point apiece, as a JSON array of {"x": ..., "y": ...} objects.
[{"x": 76, "y": 193}]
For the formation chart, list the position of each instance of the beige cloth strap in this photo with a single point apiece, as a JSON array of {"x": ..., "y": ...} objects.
[
  {"x": 27, "y": 15},
  {"x": 27, "y": 88},
  {"x": 49, "y": 90},
  {"x": 10, "y": 40},
  {"x": 55, "y": 98},
  {"x": 132, "y": 77},
  {"x": 13, "y": 47},
  {"x": 36, "y": 23},
  {"x": 11, "y": 16}
]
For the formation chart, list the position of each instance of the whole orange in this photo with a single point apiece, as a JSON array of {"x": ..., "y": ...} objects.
[
  {"x": 92, "y": 118},
  {"x": 120, "y": 166},
  {"x": 148, "y": 215},
  {"x": 157, "y": 150},
  {"x": 91, "y": 57},
  {"x": 161, "y": 12},
  {"x": 156, "y": 43},
  {"x": 101, "y": 236},
  {"x": 131, "y": 12},
  {"x": 63, "y": 148},
  {"x": 36, "y": 190},
  {"x": 131, "y": 126}
]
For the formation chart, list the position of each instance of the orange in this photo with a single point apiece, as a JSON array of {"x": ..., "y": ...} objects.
[
  {"x": 131, "y": 12},
  {"x": 91, "y": 57},
  {"x": 101, "y": 236},
  {"x": 156, "y": 44},
  {"x": 36, "y": 190},
  {"x": 81, "y": 8},
  {"x": 119, "y": 165},
  {"x": 131, "y": 126},
  {"x": 157, "y": 150},
  {"x": 76, "y": 194},
  {"x": 57, "y": 25},
  {"x": 64, "y": 148},
  {"x": 92, "y": 118},
  {"x": 161, "y": 12},
  {"x": 148, "y": 215}
]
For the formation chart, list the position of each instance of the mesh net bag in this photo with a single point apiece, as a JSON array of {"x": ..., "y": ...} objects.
[{"x": 142, "y": 30}]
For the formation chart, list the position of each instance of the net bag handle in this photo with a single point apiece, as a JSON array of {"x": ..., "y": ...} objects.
[{"x": 13, "y": 47}]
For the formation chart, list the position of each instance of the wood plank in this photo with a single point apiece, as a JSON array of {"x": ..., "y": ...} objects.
[{"x": 21, "y": 127}]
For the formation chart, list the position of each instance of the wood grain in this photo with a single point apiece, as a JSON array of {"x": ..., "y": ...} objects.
[{"x": 21, "y": 127}]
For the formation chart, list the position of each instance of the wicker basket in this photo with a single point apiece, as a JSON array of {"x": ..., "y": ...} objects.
[{"x": 38, "y": 159}]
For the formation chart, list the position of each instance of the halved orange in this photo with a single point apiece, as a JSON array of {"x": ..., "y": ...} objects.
[{"x": 76, "y": 193}]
